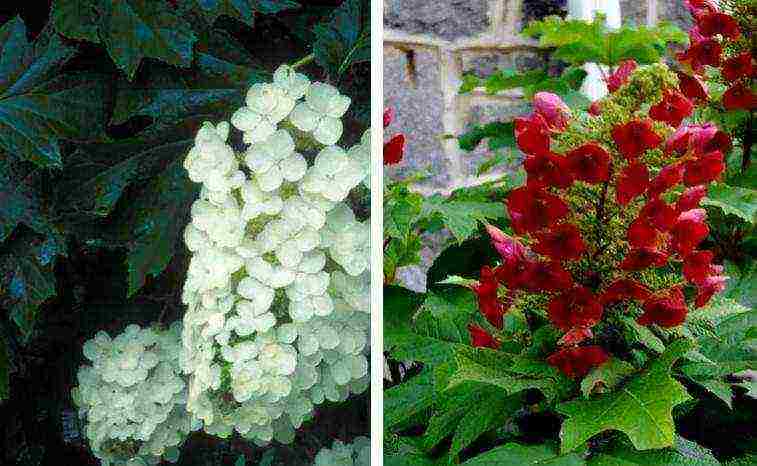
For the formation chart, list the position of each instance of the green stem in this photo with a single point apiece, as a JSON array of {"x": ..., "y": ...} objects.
[{"x": 303, "y": 61}]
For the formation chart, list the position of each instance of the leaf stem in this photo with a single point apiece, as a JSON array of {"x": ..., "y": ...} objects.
[{"x": 303, "y": 61}]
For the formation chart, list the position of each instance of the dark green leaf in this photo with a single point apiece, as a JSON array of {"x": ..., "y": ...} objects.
[
  {"x": 465, "y": 259},
  {"x": 684, "y": 453},
  {"x": 37, "y": 110},
  {"x": 407, "y": 399},
  {"x": 345, "y": 39},
  {"x": 400, "y": 304},
  {"x": 733, "y": 200},
  {"x": 19, "y": 201},
  {"x": 513, "y": 454},
  {"x": 500, "y": 135},
  {"x": 243, "y": 10}
]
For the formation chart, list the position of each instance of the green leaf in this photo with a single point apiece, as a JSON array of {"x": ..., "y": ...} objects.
[
  {"x": 130, "y": 30},
  {"x": 27, "y": 278},
  {"x": 742, "y": 284},
  {"x": 20, "y": 201},
  {"x": 684, "y": 453},
  {"x": 445, "y": 315},
  {"x": 650, "y": 396},
  {"x": 157, "y": 219},
  {"x": 4, "y": 369},
  {"x": 400, "y": 304},
  {"x": 733, "y": 200},
  {"x": 346, "y": 39},
  {"x": 513, "y": 454},
  {"x": 400, "y": 213},
  {"x": 268, "y": 456},
  {"x": 240, "y": 461},
  {"x": 482, "y": 416},
  {"x": 500, "y": 134},
  {"x": 487, "y": 165},
  {"x": 37, "y": 110},
  {"x": 463, "y": 259},
  {"x": 243, "y": 10},
  {"x": 457, "y": 280},
  {"x": 641, "y": 334},
  {"x": 606, "y": 377},
  {"x": 463, "y": 217},
  {"x": 76, "y": 19},
  {"x": 404, "y": 401}
]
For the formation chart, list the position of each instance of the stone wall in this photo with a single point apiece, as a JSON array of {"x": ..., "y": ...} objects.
[{"x": 430, "y": 44}]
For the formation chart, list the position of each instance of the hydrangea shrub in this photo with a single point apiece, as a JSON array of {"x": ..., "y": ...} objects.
[{"x": 357, "y": 453}]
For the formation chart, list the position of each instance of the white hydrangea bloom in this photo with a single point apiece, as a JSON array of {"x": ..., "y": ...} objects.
[
  {"x": 277, "y": 291},
  {"x": 321, "y": 112},
  {"x": 358, "y": 453},
  {"x": 132, "y": 396}
]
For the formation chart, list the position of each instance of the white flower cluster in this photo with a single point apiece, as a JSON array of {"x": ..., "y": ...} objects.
[
  {"x": 277, "y": 290},
  {"x": 358, "y": 453},
  {"x": 133, "y": 396}
]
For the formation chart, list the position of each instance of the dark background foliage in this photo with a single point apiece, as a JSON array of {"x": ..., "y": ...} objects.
[{"x": 95, "y": 122}]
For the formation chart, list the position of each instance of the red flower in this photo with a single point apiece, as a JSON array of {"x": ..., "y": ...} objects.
[
  {"x": 620, "y": 75},
  {"x": 699, "y": 7},
  {"x": 561, "y": 242},
  {"x": 595, "y": 108},
  {"x": 690, "y": 198},
  {"x": 666, "y": 309},
  {"x": 659, "y": 214},
  {"x": 633, "y": 181},
  {"x": 635, "y": 137},
  {"x": 739, "y": 97},
  {"x": 718, "y": 23},
  {"x": 394, "y": 150},
  {"x": 547, "y": 170},
  {"x": 532, "y": 209},
  {"x": 673, "y": 108},
  {"x": 668, "y": 177},
  {"x": 577, "y": 361},
  {"x": 589, "y": 163},
  {"x": 708, "y": 288},
  {"x": 704, "y": 169},
  {"x": 388, "y": 116},
  {"x": 546, "y": 276},
  {"x": 678, "y": 143},
  {"x": 690, "y": 230},
  {"x": 480, "y": 338},
  {"x": 488, "y": 301},
  {"x": 575, "y": 336},
  {"x": 707, "y": 138},
  {"x": 642, "y": 258},
  {"x": 692, "y": 87},
  {"x": 514, "y": 260},
  {"x": 737, "y": 67},
  {"x": 578, "y": 307},
  {"x": 624, "y": 289},
  {"x": 554, "y": 111},
  {"x": 641, "y": 234},
  {"x": 532, "y": 134},
  {"x": 702, "y": 52},
  {"x": 697, "y": 266}
]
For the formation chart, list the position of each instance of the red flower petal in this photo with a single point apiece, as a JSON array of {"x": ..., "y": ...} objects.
[
  {"x": 668, "y": 177},
  {"x": 697, "y": 266},
  {"x": 690, "y": 230},
  {"x": 589, "y": 163},
  {"x": 672, "y": 109},
  {"x": 635, "y": 137},
  {"x": 532, "y": 134},
  {"x": 480, "y": 338},
  {"x": 659, "y": 214},
  {"x": 702, "y": 52},
  {"x": 575, "y": 336},
  {"x": 739, "y": 97},
  {"x": 718, "y": 23},
  {"x": 488, "y": 302},
  {"x": 633, "y": 181},
  {"x": 707, "y": 138},
  {"x": 690, "y": 198},
  {"x": 578, "y": 307},
  {"x": 595, "y": 108},
  {"x": 388, "y": 116},
  {"x": 666, "y": 309},
  {"x": 708, "y": 288},
  {"x": 704, "y": 169},
  {"x": 577, "y": 361},
  {"x": 624, "y": 289},
  {"x": 692, "y": 87},
  {"x": 737, "y": 67},
  {"x": 641, "y": 234},
  {"x": 547, "y": 170},
  {"x": 532, "y": 209},
  {"x": 561, "y": 242},
  {"x": 642, "y": 258},
  {"x": 546, "y": 276},
  {"x": 699, "y": 7},
  {"x": 620, "y": 75},
  {"x": 514, "y": 260},
  {"x": 552, "y": 108},
  {"x": 394, "y": 150},
  {"x": 678, "y": 143}
]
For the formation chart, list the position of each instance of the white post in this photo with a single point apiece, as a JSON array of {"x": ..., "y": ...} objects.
[{"x": 594, "y": 86}]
